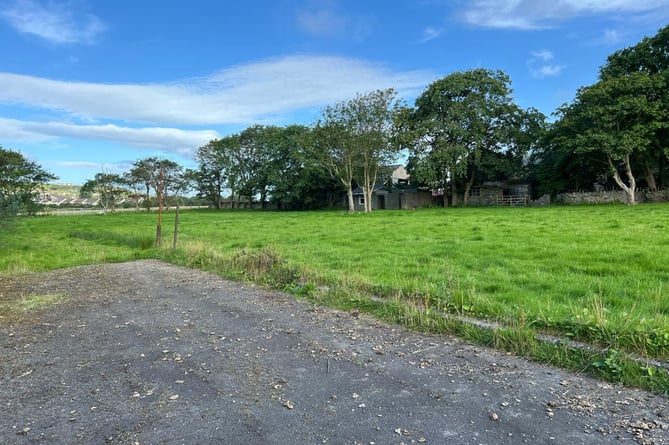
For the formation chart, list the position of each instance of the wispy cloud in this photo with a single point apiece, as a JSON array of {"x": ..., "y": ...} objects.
[
  {"x": 324, "y": 20},
  {"x": 148, "y": 115},
  {"x": 237, "y": 95},
  {"x": 544, "y": 55},
  {"x": 431, "y": 33},
  {"x": 171, "y": 140},
  {"x": 81, "y": 164},
  {"x": 540, "y": 67},
  {"x": 51, "y": 21},
  {"x": 534, "y": 14}
]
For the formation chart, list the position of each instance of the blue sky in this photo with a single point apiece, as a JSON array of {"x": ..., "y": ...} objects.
[{"x": 94, "y": 85}]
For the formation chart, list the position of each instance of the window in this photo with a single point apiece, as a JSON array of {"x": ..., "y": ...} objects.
[{"x": 361, "y": 200}]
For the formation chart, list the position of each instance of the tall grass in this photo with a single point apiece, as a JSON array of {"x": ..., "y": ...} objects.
[{"x": 593, "y": 273}]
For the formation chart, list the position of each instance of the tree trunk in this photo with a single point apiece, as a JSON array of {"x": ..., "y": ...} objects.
[
  {"x": 454, "y": 193},
  {"x": 351, "y": 203},
  {"x": 368, "y": 191},
  {"x": 650, "y": 179},
  {"x": 147, "y": 196},
  {"x": 468, "y": 188},
  {"x": 628, "y": 189}
]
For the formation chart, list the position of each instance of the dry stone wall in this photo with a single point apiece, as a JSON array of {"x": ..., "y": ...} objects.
[{"x": 610, "y": 197}]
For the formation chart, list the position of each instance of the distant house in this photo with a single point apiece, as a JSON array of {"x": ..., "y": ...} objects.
[
  {"x": 392, "y": 192},
  {"x": 399, "y": 175}
]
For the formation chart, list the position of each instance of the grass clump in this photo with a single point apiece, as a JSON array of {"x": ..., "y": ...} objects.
[{"x": 14, "y": 309}]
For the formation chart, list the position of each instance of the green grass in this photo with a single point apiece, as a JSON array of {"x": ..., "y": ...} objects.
[{"x": 598, "y": 274}]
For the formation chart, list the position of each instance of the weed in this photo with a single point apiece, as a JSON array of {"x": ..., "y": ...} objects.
[{"x": 611, "y": 365}]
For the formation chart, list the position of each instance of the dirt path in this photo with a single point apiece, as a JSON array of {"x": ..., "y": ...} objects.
[{"x": 149, "y": 353}]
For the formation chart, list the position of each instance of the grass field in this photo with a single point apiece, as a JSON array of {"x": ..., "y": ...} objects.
[{"x": 598, "y": 274}]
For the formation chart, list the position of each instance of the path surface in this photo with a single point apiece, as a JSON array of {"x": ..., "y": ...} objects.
[{"x": 149, "y": 353}]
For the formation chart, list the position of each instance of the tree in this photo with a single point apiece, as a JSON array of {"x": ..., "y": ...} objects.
[
  {"x": 624, "y": 117},
  {"x": 145, "y": 173},
  {"x": 109, "y": 187},
  {"x": 142, "y": 175},
  {"x": 619, "y": 118},
  {"x": 213, "y": 175},
  {"x": 272, "y": 164},
  {"x": 182, "y": 183},
  {"x": 21, "y": 180},
  {"x": 463, "y": 122},
  {"x": 373, "y": 128},
  {"x": 260, "y": 160},
  {"x": 555, "y": 167},
  {"x": 299, "y": 181},
  {"x": 335, "y": 148},
  {"x": 355, "y": 138},
  {"x": 650, "y": 57}
]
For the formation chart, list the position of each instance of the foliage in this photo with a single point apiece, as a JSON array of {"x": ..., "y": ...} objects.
[
  {"x": 109, "y": 187},
  {"x": 618, "y": 117},
  {"x": 300, "y": 182},
  {"x": 622, "y": 120},
  {"x": 167, "y": 179},
  {"x": 466, "y": 126},
  {"x": 355, "y": 139},
  {"x": 214, "y": 173},
  {"x": 267, "y": 164},
  {"x": 21, "y": 181}
]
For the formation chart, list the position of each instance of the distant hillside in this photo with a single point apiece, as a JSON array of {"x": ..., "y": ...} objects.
[{"x": 69, "y": 190}]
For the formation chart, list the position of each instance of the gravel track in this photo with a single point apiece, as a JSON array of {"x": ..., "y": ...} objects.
[{"x": 149, "y": 353}]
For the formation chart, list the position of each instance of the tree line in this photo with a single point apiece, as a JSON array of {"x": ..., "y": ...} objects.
[{"x": 463, "y": 130}]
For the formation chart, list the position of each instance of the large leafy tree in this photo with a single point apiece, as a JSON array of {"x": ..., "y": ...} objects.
[
  {"x": 212, "y": 175},
  {"x": 262, "y": 156},
  {"x": 373, "y": 127},
  {"x": 618, "y": 118},
  {"x": 21, "y": 180},
  {"x": 356, "y": 138},
  {"x": 555, "y": 168},
  {"x": 334, "y": 147},
  {"x": 466, "y": 124},
  {"x": 624, "y": 117},
  {"x": 299, "y": 181},
  {"x": 650, "y": 57}
]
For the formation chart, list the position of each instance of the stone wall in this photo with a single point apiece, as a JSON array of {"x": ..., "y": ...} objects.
[{"x": 617, "y": 196}]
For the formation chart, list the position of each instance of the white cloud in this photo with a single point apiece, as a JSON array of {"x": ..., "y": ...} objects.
[
  {"x": 239, "y": 95},
  {"x": 539, "y": 66},
  {"x": 51, "y": 21},
  {"x": 547, "y": 71},
  {"x": 533, "y": 14},
  {"x": 80, "y": 164},
  {"x": 431, "y": 33},
  {"x": 171, "y": 140},
  {"x": 544, "y": 55}
]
